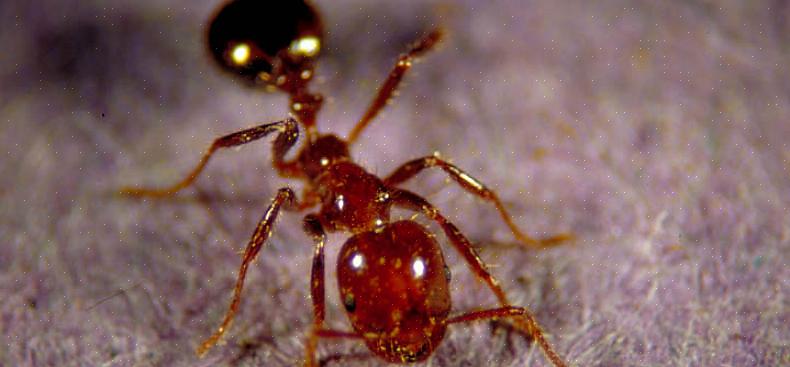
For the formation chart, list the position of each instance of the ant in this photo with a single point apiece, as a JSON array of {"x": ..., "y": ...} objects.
[{"x": 392, "y": 276}]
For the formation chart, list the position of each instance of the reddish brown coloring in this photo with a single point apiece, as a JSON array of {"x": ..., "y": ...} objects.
[
  {"x": 392, "y": 276},
  {"x": 395, "y": 279}
]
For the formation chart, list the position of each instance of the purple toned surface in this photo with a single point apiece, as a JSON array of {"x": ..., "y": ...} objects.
[{"x": 657, "y": 132}]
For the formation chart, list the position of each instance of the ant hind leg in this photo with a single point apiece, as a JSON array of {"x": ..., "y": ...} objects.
[
  {"x": 529, "y": 327},
  {"x": 524, "y": 321},
  {"x": 313, "y": 227}
]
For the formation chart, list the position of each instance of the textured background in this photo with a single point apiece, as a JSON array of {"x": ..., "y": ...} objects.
[{"x": 655, "y": 131}]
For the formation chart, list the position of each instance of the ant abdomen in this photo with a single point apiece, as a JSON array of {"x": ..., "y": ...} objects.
[
  {"x": 393, "y": 279},
  {"x": 395, "y": 291}
]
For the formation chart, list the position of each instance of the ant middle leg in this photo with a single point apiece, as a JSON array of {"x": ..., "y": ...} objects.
[
  {"x": 288, "y": 134},
  {"x": 263, "y": 231},
  {"x": 388, "y": 88},
  {"x": 526, "y": 323},
  {"x": 475, "y": 187}
]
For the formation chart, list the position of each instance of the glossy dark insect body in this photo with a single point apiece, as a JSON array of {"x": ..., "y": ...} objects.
[{"x": 392, "y": 276}]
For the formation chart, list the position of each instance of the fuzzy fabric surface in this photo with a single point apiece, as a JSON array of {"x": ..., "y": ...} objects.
[{"x": 655, "y": 131}]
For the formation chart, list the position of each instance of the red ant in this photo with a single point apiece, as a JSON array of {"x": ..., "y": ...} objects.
[{"x": 392, "y": 276}]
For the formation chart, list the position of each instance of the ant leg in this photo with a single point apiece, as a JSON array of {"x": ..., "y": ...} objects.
[
  {"x": 259, "y": 237},
  {"x": 493, "y": 313},
  {"x": 423, "y": 45},
  {"x": 474, "y": 186},
  {"x": 313, "y": 227},
  {"x": 517, "y": 313},
  {"x": 288, "y": 133},
  {"x": 526, "y": 323}
]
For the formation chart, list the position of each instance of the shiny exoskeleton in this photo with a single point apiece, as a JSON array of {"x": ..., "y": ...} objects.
[{"x": 392, "y": 276}]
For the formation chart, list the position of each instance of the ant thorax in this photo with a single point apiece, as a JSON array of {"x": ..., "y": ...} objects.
[{"x": 392, "y": 276}]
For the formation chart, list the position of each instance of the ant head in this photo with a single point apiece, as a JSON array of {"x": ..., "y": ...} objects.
[{"x": 267, "y": 43}]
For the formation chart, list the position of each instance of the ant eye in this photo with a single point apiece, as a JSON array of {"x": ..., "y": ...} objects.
[
  {"x": 263, "y": 40},
  {"x": 349, "y": 302}
]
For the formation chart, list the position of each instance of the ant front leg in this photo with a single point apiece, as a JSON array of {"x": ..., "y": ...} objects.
[
  {"x": 259, "y": 237},
  {"x": 526, "y": 323},
  {"x": 473, "y": 186},
  {"x": 423, "y": 45},
  {"x": 288, "y": 134}
]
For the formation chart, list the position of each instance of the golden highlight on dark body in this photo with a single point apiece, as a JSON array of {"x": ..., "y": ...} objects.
[{"x": 392, "y": 276}]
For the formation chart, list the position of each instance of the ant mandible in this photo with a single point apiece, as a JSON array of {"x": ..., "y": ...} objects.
[{"x": 392, "y": 276}]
